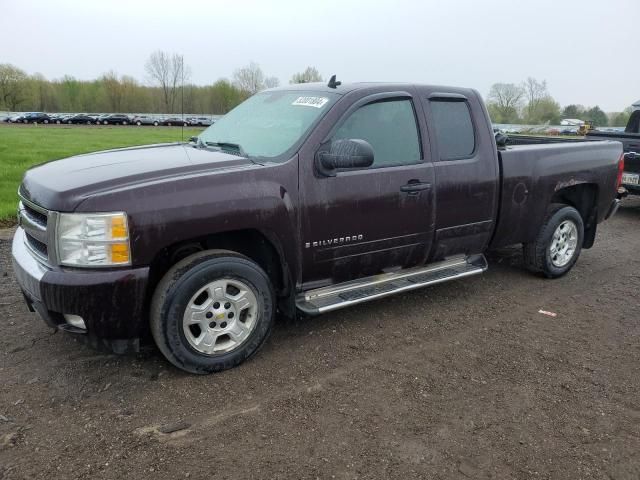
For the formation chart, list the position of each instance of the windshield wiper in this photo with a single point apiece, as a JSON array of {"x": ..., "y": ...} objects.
[{"x": 228, "y": 147}]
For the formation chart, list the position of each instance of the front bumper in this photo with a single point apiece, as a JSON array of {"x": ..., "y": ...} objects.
[{"x": 111, "y": 302}]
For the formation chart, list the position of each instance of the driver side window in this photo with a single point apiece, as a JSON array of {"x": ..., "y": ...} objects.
[{"x": 390, "y": 127}]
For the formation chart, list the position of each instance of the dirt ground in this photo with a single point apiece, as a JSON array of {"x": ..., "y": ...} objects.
[{"x": 462, "y": 380}]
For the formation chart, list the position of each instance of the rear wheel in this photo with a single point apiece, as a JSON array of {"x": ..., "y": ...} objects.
[
  {"x": 558, "y": 245},
  {"x": 212, "y": 311},
  {"x": 155, "y": 124}
]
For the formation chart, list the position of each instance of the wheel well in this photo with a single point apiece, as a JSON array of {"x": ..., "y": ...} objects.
[
  {"x": 250, "y": 243},
  {"x": 584, "y": 198}
]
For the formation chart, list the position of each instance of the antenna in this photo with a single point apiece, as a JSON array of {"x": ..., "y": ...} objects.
[
  {"x": 333, "y": 83},
  {"x": 182, "y": 97}
]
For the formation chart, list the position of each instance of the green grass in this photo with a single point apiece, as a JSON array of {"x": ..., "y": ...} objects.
[{"x": 22, "y": 147}]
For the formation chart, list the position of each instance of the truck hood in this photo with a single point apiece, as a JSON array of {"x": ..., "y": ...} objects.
[{"x": 62, "y": 184}]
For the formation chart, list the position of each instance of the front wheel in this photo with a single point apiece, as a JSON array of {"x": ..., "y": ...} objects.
[
  {"x": 212, "y": 311},
  {"x": 558, "y": 245}
]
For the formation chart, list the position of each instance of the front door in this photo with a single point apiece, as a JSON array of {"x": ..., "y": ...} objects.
[{"x": 366, "y": 221}]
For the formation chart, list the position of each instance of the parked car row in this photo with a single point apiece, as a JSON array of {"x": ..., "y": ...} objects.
[{"x": 107, "y": 119}]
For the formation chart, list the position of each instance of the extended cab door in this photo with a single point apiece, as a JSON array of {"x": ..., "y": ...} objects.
[
  {"x": 365, "y": 221},
  {"x": 466, "y": 171}
]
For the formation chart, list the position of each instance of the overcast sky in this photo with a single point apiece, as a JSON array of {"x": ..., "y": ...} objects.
[{"x": 585, "y": 49}]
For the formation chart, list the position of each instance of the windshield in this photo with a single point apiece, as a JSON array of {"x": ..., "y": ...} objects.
[{"x": 269, "y": 123}]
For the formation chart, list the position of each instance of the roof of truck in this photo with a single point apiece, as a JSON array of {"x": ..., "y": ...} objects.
[
  {"x": 350, "y": 87},
  {"x": 342, "y": 88}
]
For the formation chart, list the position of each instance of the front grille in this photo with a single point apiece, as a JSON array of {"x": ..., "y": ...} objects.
[
  {"x": 38, "y": 246},
  {"x": 38, "y": 217},
  {"x": 36, "y": 223}
]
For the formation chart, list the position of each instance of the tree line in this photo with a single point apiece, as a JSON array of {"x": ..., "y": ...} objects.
[
  {"x": 163, "y": 91},
  {"x": 531, "y": 103},
  {"x": 168, "y": 89}
]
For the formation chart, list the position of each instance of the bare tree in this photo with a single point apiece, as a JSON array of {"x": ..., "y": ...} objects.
[
  {"x": 535, "y": 92},
  {"x": 12, "y": 85},
  {"x": 249, "y": 79},
  {"x": 271, "y": 82},
  {"x": 505, "y": 100},
  {"x": 168, "y": 72},
  {"x": 310, "y": 74}
]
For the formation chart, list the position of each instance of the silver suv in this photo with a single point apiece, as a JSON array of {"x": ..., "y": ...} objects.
[{"x": 145, "y": 120}]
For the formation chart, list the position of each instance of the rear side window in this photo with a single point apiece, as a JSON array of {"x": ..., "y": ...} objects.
[
  {"x": 454, "y": 129},
  {"x": 390, "y": 127}
]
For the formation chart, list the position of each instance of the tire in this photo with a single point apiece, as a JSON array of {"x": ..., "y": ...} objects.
[
  {"x": 45, "y": 121},
  {"x": 169, "y": 124},
  {"x": 138, "y": 123},
  {"x": 57, "y": 122},
  {"x": 104, "y": 122},
  {"x": 183, "y": 286},
  {"x": 543, "y": 255},
  {"x": 69, "y": 122},
  {"x": 124, "y": 123},
  {"x": 155, "y": 124}
]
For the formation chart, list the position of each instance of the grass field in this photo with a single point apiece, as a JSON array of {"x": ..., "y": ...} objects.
[{"x": 22, "y": 147}]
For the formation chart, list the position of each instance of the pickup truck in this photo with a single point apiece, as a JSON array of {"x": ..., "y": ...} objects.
[
  {"x": 630, "y": 139},
  {"x": 306, "y": 198}
]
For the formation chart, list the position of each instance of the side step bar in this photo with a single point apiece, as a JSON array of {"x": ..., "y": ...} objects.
[{"x": 326, "y": 299}]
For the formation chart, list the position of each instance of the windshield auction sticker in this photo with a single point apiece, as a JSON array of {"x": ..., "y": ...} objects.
[{"x": 316, "y": 102}]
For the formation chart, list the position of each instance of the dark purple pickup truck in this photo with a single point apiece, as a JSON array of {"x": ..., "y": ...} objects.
[{"x": 304, "y": 199}]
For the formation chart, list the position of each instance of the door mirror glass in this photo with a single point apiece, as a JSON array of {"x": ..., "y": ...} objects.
[{"x": 344, "y": 153}]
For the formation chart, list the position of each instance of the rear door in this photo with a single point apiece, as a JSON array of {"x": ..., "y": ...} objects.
[
  {"x": 466, "y": 171},
  {"x": 365, "y": 221}
]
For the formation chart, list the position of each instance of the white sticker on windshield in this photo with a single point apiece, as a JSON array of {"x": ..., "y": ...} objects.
[{"x": 317, "y": 102}]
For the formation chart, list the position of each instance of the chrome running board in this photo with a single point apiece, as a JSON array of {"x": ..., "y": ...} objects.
[{"x": 326, "y": 299}]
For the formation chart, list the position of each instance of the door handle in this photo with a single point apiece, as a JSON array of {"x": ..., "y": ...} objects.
[{"x": 415, "y": 187}]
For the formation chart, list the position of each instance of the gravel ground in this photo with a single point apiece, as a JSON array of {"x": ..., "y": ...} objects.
[{"x": 461, "y": 380}]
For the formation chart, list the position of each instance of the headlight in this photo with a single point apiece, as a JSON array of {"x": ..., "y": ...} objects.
[{"x": 93, "y": 240}]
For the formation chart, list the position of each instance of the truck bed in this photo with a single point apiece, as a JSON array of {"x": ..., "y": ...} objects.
[{"x": 532, "y": 173}]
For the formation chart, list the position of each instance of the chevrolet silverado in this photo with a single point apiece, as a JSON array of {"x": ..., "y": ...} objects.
[{"x": 305, "y": 198}]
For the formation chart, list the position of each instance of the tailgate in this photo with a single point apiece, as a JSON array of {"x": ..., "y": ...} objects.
[
  {"x": 632, "y": 162},
  {"x": 631, "y": 175}
]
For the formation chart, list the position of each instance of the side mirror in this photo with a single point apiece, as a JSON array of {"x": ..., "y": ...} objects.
[
  {"x": 193, "y": 139},
  {"x": 344, "y": 153}
]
